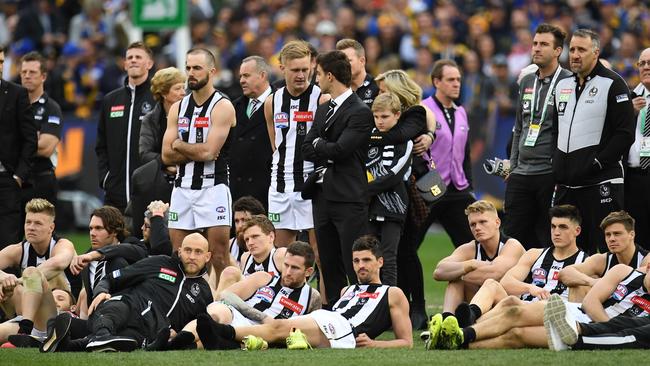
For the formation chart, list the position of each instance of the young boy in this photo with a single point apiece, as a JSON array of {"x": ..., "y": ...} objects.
[{"x": 387, "y": 168}]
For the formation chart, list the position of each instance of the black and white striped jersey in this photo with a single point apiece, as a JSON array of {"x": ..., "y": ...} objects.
[
  {"x": 481, "y": 254},
  {"x": 29, "y": 256},
  {"x": 293, "y": 117},
  {"x": 637, "y": 258},
  {"x": 630, "y": 298},
  {"x": 545, "y": 273},
  {"x": 280, "y": 302},
  {"x": 268, "y": 265},
  {"x": 194, "y": 124},
  {"x": 366, "y": 308}
]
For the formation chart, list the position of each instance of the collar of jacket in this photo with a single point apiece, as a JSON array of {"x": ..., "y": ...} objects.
[
  {"x": 139, "y": 89},
  {"x": 596, "y": 71},
  {"x": 178, "y": 261}
]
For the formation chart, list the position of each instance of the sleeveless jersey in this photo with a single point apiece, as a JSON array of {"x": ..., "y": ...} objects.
[
  {"x": 280, "y": 302},
  {"x": 481, "y": 255},
  {"x": 637, "y": 258},
  {"x": 29, "y": 257},
  {"x": 292, "y": 120},
  {"x": 630, "y": 298},
  {"x": 366, "y": 308},
  {"x": 194, "y": 123},
  {"x": 545, "y": 272},
  {"x": 235, "y": 251},
  {"x": 268, "y": 265}
]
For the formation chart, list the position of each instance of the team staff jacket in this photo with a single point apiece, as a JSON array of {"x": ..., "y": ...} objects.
[
  {"x": 118, "y": 135},
  {"x": 161, "y": 282},
  {"x": 593, "y": 127},
  {"x": 159, "y": 244},
  {"x": 47, "y": 115}
]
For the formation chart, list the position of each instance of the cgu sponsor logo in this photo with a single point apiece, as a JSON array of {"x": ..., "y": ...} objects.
[{"x": 168, "y": 271}]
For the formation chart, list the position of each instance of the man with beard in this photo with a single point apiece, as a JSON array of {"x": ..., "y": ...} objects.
[
  {"x": 530, "y": 185},
  {"x": 118, "y": 130},
  {"x": 197, "y": 141}
]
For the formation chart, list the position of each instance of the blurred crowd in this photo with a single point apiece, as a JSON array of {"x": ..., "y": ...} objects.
[{"x": 84, "y": 40}]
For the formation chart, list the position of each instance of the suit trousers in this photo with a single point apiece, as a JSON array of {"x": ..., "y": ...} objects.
[
  {"x": 10, "y": 200},
  {"x": 337, "y": 225},
  {"x": 637, "y": 203},
  {"x": 528, "y": 199}
]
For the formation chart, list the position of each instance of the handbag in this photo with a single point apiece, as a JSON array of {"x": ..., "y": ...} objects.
[{"x": 431, "y": 186}]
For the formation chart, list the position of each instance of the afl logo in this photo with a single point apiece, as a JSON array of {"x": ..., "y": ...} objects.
[
  {"x": 221, "y": 209},
  {"x": 539, "y": 276},
  {"x": 620, "y": 292},
  {"x": 265, "y": 293}
]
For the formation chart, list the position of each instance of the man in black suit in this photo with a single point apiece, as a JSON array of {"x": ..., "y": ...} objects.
[
  {"x": 337, "y": 145},
  {"x": 250, "y": 157},
  {"x": 17, "y": 146}
]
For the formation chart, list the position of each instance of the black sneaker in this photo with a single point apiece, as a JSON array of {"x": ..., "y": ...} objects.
[
  {"x": 25, "y": 341},
  {"x": 111, "y": 344},
  {"x": 160, "y": 342},
  {"x": 58, "y": 334},
  {"x": 183, "y": 340},
  {"x": 419, "y": 319}
]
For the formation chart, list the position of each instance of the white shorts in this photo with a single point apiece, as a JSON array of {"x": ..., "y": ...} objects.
[
  {"x": 192, "y": 209},
  {"x": 289, "y": 211},
  {"x": 335, "y": 327},
  {"x": 238, "y": 320},
  {"x": 575, "y": 309}
]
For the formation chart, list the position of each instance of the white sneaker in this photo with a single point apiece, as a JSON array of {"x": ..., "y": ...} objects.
[
  {"x": 553, "y": 338},
  {"x": 561, "y": 320}
]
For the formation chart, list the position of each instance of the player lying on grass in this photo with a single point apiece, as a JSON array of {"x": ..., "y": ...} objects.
[{"x": 363, "y": 312}]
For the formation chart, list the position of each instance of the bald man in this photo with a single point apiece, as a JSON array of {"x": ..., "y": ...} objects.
[{"x": 137, "y": 304}]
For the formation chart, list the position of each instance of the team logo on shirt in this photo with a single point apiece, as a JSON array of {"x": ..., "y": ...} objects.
[
  {"x": 281, "y": 120},
  {"x": 604, "y": 191},
  {"x": 525, "y": 105},
  {"x": 195, "y": 289},
  {"x": 539, "y": 277},
  {"x": 620, "y": 292},
  {"x": 301, "y": 129},
  {"x": 593, "y": 91},
  {"x": 265, "y": 293},
  {"x": 561, "y": 107},
  {"x": 146, "y": 107},
  {"x": 373, "y": 152}
]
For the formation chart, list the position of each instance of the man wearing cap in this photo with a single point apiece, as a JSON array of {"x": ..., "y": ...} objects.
[
  {"x": 47, "y": 117},
  {"x": 17, "y": 146}
]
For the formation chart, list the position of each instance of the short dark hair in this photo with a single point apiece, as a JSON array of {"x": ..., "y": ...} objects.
[
  {"x": 438, "y": 66},
  {"x": 558, "y": 34},
  {"x": 336, "y": 63},
  {"x": 368, "y": 242},
  {"x": 588, "y": 33},
  {"x": 209, "y": 56},
  {"x": 302, "y": 249},
  {"x": 35, "y": 56},
  {"x": 260, "y": 221},
  {"x": 618, "y": 217},
  {"x": 112, "y": 220},
  {"x": 249, "y": 204},
  {"x": 565, "y": 211},
  {"x": 142, "y": 46}
]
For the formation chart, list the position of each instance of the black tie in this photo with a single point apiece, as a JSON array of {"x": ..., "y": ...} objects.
[
  {"x": 99, "y": 272},
  {"x": 645, "y": 161}
]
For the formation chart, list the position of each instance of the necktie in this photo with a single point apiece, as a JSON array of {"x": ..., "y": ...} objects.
[
  {"x": 645, "y": 160},
  {"x": 252, "y": 106},
  {"x": 99, "y": 272},
  {"x": 330, "y": 111}
]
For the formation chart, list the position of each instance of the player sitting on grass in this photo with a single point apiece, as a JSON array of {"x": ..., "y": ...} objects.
[
  {"x": 363, "y": 312},
  {"x": 618, "y": 227},
  {"x": 488, "y": 256},
  {"x": 265, "y": 297}
]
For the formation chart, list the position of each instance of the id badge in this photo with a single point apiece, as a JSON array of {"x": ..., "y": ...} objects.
[
  {"x": 533, "y": 133},
  {"x": 645, "y": 147}
]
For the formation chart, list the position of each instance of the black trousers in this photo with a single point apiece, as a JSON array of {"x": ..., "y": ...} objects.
[
  {"x": 388, "y": 233},
  {"x": 337, "y": 225},
  {"x": 119, "y": 318},
  {"x": 617, "y": 333},
  {"x": 450, "y": 213},
  {"x": 527, "y": 200},
  {"x": 10, "y": 210},
  {"x": 594, "y": 203},
  {"x": 637, "y": 203}
]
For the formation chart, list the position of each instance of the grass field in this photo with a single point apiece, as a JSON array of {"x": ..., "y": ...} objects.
[{"x": 435, "y": 247}]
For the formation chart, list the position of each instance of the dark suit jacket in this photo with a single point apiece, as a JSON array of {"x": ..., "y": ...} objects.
[
  {"x": 250, "y": 154},
  {"x": 18, "y": 139},
  {"x": 343, "y": 149}
]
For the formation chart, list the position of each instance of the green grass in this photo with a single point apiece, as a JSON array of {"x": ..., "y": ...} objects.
[{"x": 433, "y": 249}]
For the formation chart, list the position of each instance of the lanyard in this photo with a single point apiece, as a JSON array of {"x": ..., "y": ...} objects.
[
  {"x": 549, "y": 93},
  {"x": 643, "y": 113}
]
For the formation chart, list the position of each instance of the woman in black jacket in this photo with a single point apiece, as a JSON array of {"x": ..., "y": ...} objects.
[{"x": 152, "y": 180}]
